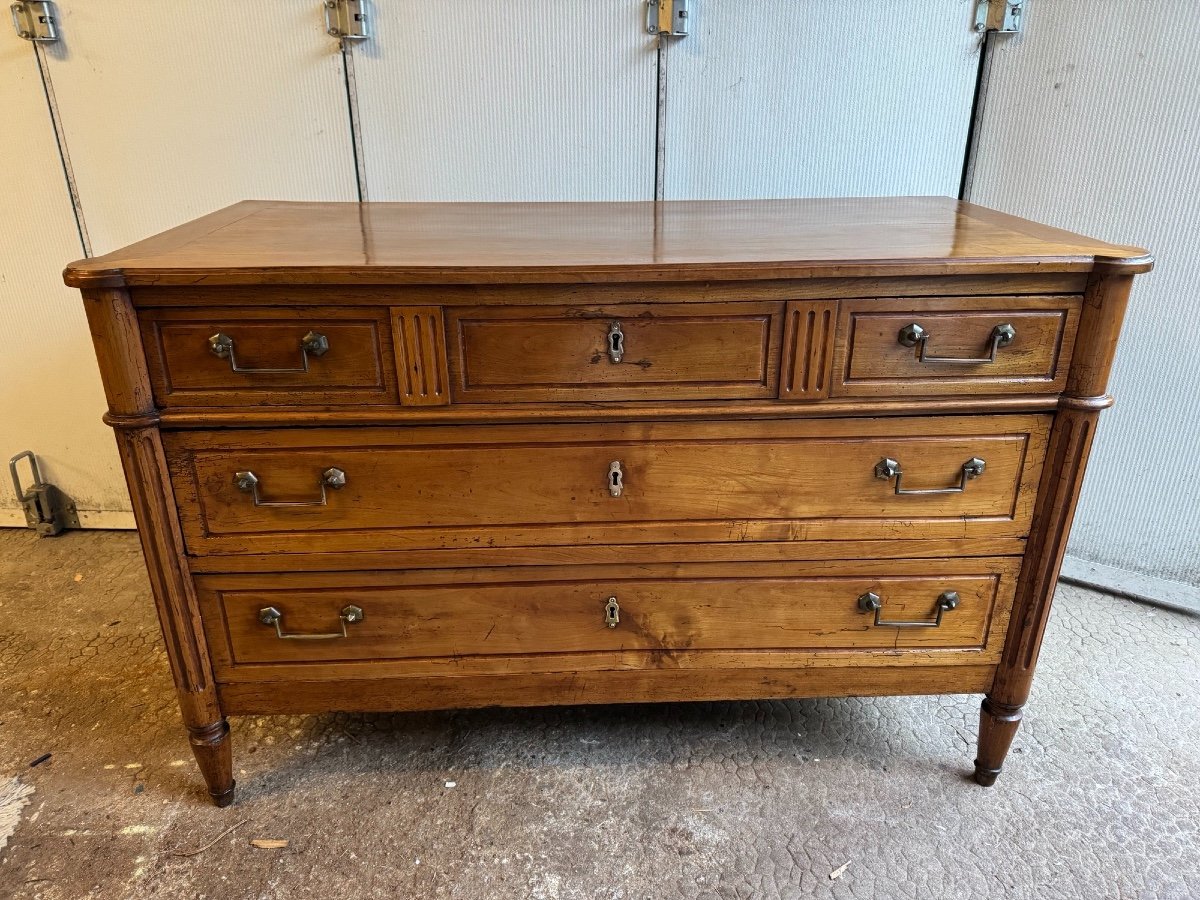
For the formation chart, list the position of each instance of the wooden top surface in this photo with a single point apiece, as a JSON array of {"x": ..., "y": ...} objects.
[{"x": 266, "y": 242}]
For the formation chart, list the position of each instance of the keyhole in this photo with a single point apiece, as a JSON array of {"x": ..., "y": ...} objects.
[
  {"x": 616, "y": 478},
  {"x": 616, "y": 342}
]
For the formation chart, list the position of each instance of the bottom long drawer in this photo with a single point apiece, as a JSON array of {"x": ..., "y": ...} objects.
[{"x": 489, "y": 620}]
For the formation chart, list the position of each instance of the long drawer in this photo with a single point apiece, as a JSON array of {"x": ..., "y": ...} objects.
[
  {"x": 301, "y": 490},
  {"x": 619, "y": 618},
  {"x": 620, "y": 352}
]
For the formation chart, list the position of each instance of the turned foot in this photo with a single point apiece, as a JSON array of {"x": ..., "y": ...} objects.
[
  {"x": 997, "y": 726},
  {"x": 214, "y": 753}
]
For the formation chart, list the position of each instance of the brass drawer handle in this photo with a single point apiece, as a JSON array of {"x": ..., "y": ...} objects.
[
  {"x": 616, "y": 342},
  {"x": 612, "y": 613},
  {"x": 871, "y": 602},
  {"x": 271, "y": 616},
  {"x": 330, "y": 478},
  {"x": 914, "y": 335},
  {"x": 616, "y": 478},
  {"x": 312, "y": 344},
  {"x": 889, "y": 468}
]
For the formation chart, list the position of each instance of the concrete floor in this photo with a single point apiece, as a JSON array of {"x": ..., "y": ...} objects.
[{"x": 1101, "y": 798}]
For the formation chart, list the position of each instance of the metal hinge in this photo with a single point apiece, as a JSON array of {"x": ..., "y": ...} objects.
[
  {"x": 34, "y": 20},
  {"x": 1002, "y": 16},
  {"x": 47, "y": 509},
  {"x": 667, "y": 17},
  {"x": 346, "y": 19}
]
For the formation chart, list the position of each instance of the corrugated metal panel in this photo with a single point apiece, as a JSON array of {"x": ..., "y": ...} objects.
[
  {"x": 1092, "y": 123},
  {"x": 50, "y": 396},
  {"x": 518, "y": 100},
  {"x": 813, "y": 98},
  {"x": 173, "y": 111}
]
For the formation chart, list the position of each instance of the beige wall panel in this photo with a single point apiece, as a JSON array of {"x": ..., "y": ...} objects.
[{"x": 50, "y": 395}]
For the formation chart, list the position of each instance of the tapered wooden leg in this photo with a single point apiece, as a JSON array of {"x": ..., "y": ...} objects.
[
  {"x": 214, "y": 753},
  {"x": 997, "y": 726},
  {"x": 1000, "y": 715},
  {"x": 1058, "y": 492},
  {"x": 132, "y": 414}
]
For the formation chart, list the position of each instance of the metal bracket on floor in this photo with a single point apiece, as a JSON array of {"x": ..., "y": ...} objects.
[{"x": 47, "y": 509}]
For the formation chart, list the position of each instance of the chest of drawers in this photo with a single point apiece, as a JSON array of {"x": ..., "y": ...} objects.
[{"x": 416, "y": 456}]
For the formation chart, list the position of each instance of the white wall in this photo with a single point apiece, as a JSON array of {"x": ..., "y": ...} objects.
[
  {"x": 1092, "y": 123},
  {"x": 810, "y": 98}
]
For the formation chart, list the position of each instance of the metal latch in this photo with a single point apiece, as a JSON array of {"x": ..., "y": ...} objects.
[
  {"x": 34, "y": 20},
  {"x": 1001, "y": 16},
  {"x": 667, "y": 17},
  {"x": 346, "y": 19},
  {"x": 47, "y": 509}
]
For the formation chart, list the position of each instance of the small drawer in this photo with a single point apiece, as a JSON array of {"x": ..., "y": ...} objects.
[
  {"x": 620, "y": 352},
  {"x": 955, "y": 345},
  {"x": 269, "y": 357},
  {"x": 299, "y": 490},
  {"x": 844, "y": 606}
]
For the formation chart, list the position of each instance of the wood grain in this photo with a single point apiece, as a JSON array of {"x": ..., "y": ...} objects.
[
  {"x": 684, "y": 608},
  {"x": 576, "y": 688},
  {"x": 670, "y": 352},
  {"x": 608, "y": 411},
  {"x": 420, "y": 337},
  {"x": 808, "y": 350},
  {"x": 714, "y": 291},
  {"x": 1070, "y": 443},
  {"x": 871, "y": 361},
  {"x": 131, "y": 409},
  {"x": 430, "y": 488},
  {"x": 469, "y": 397},
  {"x": 622, "y": 555},
  {"x": 271, "y": 242},
  {"x": 357, "y": 370}
]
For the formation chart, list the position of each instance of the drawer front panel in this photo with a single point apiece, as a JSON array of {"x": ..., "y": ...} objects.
[
  {"x": 621, "y": 352},
  {"x": 227, "y": 357},
  {"x": 617, "y": 483},
  {"x": 950, "y": 349},
  {"x": 693, "y": 608}
]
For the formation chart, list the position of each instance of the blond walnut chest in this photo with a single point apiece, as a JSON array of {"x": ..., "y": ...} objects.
[{"x": 416, "y": 456}]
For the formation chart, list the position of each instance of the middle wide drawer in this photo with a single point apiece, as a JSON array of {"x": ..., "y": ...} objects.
[{"x": 326, "y": 489}]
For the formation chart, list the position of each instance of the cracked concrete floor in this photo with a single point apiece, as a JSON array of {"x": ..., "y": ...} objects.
[{"x": 1100, "y": 799}]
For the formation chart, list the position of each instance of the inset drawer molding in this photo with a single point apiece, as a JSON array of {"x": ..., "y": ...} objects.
[
  {"x": 266, "y": 620},
  {"x": 480, "y": 486},
  {"x": 619, "y": 352},
  {"x": 955, "y": 345},
  {"x": 269, "y": 357}
]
